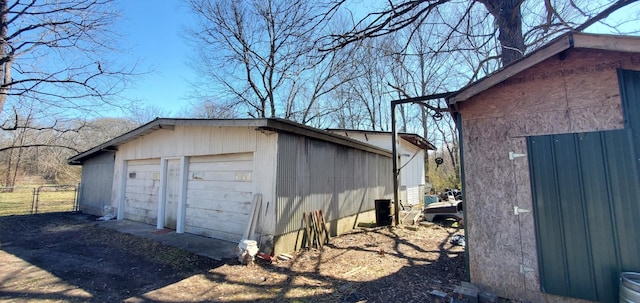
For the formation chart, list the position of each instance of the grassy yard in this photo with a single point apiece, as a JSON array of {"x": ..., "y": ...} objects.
[{"x": 30, "y": 200}]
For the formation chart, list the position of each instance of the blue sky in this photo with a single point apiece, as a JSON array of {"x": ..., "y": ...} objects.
[{"x": 153, "y": 32}]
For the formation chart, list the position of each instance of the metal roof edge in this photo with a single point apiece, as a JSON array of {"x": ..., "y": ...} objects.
[
  {"x": 260, "y": 123},
  {"x": 160, "y": 123},
  {"x": 111, "y": 144},
  {"x": 301, "y": 129},
  {"x": 560, "y": 44},
  {"x": 421, "y": 142},
  {"x": 620, "y": 43}
]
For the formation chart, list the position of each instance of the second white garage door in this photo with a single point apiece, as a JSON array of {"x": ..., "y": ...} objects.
[{"x": 219, "y": 195}]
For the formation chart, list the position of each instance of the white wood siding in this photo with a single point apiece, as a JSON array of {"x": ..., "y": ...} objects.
[
  {"x": 219, "y": 195},
  {"x": 191, "y": 141},
  {"x": 142, "y": 189},
  {"x": 412, "y": 171},
  {"x": 196, "y": 142}
]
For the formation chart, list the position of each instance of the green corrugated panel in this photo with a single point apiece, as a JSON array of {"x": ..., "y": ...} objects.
[
  {"x": 630, "y": 94},
  {"x": 628, "y": 212},
  {"x": 570, "y": 188},
  {"x": 597, "y": 197},
  {"x": 585, "y": 191},
  {"x": 586, "y": 195},
  {"x": 547, "y": 211}
]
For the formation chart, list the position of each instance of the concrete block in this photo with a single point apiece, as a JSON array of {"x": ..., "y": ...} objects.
[
  {"x": 466, "y": 294},
  {"x": 469, "y": 285},
  {"x": 487, "y": 297},
  {"x": 436, "y": 296}
]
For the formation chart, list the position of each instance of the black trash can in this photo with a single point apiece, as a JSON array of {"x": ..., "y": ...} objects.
[{"x": 383, "y": 212}]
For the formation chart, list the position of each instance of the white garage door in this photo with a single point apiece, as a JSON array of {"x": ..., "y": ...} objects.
[
  {"x": 142, "y": 189},
  {"x": 219, "y": 195}
]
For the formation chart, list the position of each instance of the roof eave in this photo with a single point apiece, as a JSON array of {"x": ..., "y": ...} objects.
[
  {"x": 418, "y": 141},
  {"x": 412, "y": 138},
  {"x": 555, "y": 47},
  {"x": 271, "y": 124}
]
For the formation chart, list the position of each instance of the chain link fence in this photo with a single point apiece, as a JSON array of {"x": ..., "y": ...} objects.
[{"x": 38, "y": 199}]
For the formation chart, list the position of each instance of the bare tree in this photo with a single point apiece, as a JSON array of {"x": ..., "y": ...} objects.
[
  {"x": 57, "y": 53},
  {"x": 209, "y": 109},
  {"x": 438, "y": 46},
  {"x": 141, "y": 114},
  {"x": 57, "y": 63},
  {"x": 14, "y": 156},
  {"x": 364, "y": 89},
  {"x": 34, "y": 149},
  {"x": 261, "y": 57},
  {"x": 96, "y": 131},
  {"x": 311, "y": 99},
  {"x": 507, "y": 20}
]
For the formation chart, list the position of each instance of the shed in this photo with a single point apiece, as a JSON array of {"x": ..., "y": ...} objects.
[
  {"x": 549, "y": 150},
  {"x": 411, "y": 154},
  {"x": 204, "y": 177}
]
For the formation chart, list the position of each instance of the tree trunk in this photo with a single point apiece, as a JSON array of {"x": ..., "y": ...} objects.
[
  {"x": 5, "y": 61},
  {"x": 425, "y": 134},
  {"x": 7, "y": 177},
  {"x": 509, "y": 19}
]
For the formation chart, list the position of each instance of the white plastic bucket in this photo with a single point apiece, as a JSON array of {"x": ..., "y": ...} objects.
[
  {"x": 630, "y": 287},
  {"x": 249, "y": 245},
  {"x": 247, "y": 250}
]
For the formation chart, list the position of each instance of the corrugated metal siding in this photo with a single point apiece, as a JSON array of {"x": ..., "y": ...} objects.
[
  {"x": 630, "y": 95},
  {"x": 412, "y": 162},
  {"x": 629, "y": 213},
  {"x": 97, "y": 180},
  {"x": 585, "y": 194},
  {"x": 314, "y": 174}
]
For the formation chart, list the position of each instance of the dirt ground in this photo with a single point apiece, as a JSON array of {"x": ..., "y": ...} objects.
[{"x": 66, "y": 257}]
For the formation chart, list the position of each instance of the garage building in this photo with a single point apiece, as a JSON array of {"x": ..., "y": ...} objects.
[{"x": 206, "y": 177}]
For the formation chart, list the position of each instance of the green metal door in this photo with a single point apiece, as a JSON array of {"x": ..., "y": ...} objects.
[{"x": 586, "y": 197}]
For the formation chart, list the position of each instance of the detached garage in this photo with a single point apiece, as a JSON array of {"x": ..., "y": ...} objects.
[{"x": 218, "y": 177}]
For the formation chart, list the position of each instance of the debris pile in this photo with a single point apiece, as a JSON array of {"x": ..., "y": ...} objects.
[{"x": 465, "y": 292}]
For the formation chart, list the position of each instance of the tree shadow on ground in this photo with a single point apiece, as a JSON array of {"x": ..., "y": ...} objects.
[
  {"x": 85, "y": 262},
  {"x": 89, "y": 263},
  {"x": 442, "y": 270}
]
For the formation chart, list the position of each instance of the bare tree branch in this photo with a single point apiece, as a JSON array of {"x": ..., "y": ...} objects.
[
  {"x": 39, "y": 145},
  {"x": 615, "y": 6},
  {"x": 56, "y": 51}
]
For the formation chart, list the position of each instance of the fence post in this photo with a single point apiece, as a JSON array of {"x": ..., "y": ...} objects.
[
  {"x": 33, "y": 200},
  {"x": 38, "y": 198},
  {"x": 76, "y": 194}
]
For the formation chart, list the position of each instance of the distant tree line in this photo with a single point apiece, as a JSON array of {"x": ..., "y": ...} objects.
[
  {"x": 36, "y": 153},
  {"x": 329, "y": 63}
]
